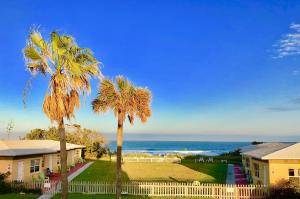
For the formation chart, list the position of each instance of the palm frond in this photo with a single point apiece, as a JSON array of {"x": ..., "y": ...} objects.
[
  {"x": 123, "y": 99},
  {"x": 31, "y": 53},
  {"x": 100, "y": 106},
  {"x": 36, "y": 38},
  {"x": 143, "y": 101},
  {"x": 72, "y": 68},
  {"x": 123, "y": 84}
]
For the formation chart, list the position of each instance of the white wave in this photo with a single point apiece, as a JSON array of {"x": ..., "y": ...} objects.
[{"x": 183, "y": 152}]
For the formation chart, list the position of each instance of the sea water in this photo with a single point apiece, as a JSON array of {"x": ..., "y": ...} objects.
[{"x": 181, "y": 147}]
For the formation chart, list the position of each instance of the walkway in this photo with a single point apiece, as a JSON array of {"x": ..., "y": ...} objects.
[
  {"x": 79, "y": 171},
  {"x": 71, "y": 176},
  {"x": 240, "y": 177},
  {"x": 230, "y": 179}
]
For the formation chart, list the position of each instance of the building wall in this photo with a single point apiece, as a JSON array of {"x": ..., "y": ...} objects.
[
  {"x": 27, "y": 177},
  {"x": 11, "y": 164},
  {"x": 276, "y": 169},
  {"x": 263, "y": 168},
  {"x": 279, "y": 169},
  {"x": 263, "y": 172},
  {"x": 6, "y": 165}
]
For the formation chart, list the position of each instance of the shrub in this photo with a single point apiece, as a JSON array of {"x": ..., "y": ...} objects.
[
  {"x": 14, "y": 187},
  {"x": 284, "y": 189},
  {"x": 19, "y": 187},
  {"x": 4, "y": 187},
  {"x": 80, "y": 160}
]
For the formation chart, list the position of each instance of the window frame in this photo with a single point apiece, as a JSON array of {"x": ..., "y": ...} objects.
[
  {"x": 256, "y": 170},
  {"x": 35, "y": 167},
  {"x": 296, "y": 177},
  {"x": 293, "y": 171}
]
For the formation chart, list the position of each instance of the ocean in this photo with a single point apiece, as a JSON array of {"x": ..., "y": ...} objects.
[{"x": 181, "y": 147}]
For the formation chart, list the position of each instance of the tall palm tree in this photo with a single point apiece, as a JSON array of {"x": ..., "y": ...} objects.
[
  {"x": 125, "y": 100},
  {"x": 70, "y": 68}
]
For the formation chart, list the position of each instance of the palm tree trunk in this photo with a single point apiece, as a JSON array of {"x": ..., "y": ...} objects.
[
  {"x": 63, "y": 160},
  {"x": 119, "y": 156}
]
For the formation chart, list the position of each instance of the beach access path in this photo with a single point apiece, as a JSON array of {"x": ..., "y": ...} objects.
[
  {"x": 70, "y": 178},
  {"x": 230, "y": 179}
]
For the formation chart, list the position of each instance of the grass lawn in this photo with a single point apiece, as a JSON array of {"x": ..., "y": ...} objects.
[
  {"x": 187, "y": 171},
  {"x": 217, "y": 171},
  {"x": 163, "y": 172},
  {"x": 18, "y": 196},
  {"x": 88, "y": 196}
]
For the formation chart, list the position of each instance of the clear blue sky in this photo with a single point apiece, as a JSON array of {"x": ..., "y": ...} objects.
[{"x": 209, "y": 64}]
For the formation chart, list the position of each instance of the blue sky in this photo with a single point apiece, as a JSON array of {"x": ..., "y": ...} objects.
[{"x": 209, "y": 64}]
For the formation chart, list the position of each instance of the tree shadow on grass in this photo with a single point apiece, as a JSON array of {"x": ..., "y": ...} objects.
[{"x": 101, "y": 171}]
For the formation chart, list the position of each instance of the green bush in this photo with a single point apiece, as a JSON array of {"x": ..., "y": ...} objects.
[
  {"x": 4, "y": 187},
  {"x": 19, "y": 187},
  {"x": 14, "y": 187}
]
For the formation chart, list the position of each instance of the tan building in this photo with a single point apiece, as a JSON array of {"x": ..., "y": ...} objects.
[
  {"x": 26, "y": 159},
  {"x": 268, "y": 163}
]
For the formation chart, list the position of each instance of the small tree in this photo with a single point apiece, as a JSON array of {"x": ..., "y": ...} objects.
[
  {"x": 127, "y": 101},
  {"x": 9, "y": 128}
]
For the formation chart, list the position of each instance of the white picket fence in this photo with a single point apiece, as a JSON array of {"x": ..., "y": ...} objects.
[{"x": 219, "y": 191}]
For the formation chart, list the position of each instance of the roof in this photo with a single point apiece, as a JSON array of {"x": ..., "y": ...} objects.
[
  {"x": 290, "y": 152},
  {"x": 32, "y": 147},
  {"x": 261, "y": 150}
]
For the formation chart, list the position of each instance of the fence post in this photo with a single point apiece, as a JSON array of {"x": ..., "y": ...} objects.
[
  {"x": 152, "y": 189},
  {"x": 186, "y": 190},
  {"x": 236, "y": 191}
]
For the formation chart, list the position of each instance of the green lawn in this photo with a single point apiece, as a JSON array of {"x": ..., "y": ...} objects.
[
  {"x": 216, "y": 170},
  {"x": 101, "y": 170},
  {"x": 187, "y": 171},
  {"x": 88, "y": 196},
  {"x": 18, "y": 196}
]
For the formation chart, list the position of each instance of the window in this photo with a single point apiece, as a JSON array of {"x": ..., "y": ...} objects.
[
  {"x": 34, "y": 166},
  {"x": 247, "y": 162},
  {"x": 294, "y": 175},
  {"x": 256, "y": 170},
  {"x": 291, "y": 172}
]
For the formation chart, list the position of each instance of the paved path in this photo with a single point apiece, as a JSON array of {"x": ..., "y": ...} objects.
[
  {"x": 76, "y": 173},
  {"x": 230, "y": 179},
  {"x": 70, "y": 178},
  {"x": 240, "y": 177}
]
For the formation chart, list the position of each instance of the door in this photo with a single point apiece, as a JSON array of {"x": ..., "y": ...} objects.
[
  {"x": 20, "y": 176},
  {"x": 50, "y": 162}
]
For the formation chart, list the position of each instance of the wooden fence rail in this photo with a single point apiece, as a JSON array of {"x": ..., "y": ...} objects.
[{"x": 218, "y": 191}]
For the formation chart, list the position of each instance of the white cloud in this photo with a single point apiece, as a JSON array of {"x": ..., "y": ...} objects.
[{"x": 290, "y": 43}]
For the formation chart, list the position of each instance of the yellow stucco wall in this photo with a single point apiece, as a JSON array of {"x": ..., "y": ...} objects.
[
  {"x": 275, "y": 169},
  {"x": 6, "y": 165},
  {"x": 263, "y": 170},
  {"x": 279, "y": 169},
  {"x": 11, "y": 164},
  {"x": 27, "y": 176}
]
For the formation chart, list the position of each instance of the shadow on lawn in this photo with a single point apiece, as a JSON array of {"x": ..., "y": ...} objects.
[{"x": 101, "y": 170}]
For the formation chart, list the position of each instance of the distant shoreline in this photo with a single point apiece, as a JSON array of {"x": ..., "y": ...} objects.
[{"x": 178, "y": 147}]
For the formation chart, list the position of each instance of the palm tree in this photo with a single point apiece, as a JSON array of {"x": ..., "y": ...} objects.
[
  {"x": 125, "y": 100},
  {"x": 70, "y": 68}
]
